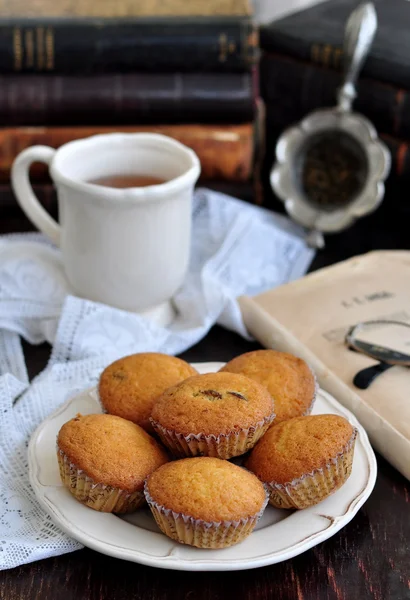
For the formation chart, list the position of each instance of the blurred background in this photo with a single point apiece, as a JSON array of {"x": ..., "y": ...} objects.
[
  {"x": 225, "y": 77},
  {"x": 267, "y": 10}
]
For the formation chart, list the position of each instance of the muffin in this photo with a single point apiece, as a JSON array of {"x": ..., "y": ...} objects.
[
  {"x": 129, "y": 387},
  {"x": 216, "y": 414},
  {"x": 289, "y": 380},
  {"x": 104, "y": 461},
  {"x": 205, "y": 502},
  {"x": 305, "y": 459}
]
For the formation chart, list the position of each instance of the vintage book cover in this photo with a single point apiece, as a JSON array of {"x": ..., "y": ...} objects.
[
  {"x": 122, "y": 8},
  {"x": 45, "y": 192},
  {"x": 91, "y": 45},
  {"x": 310, "y": 318},
  {"x": 127, "y": 98},
  {"x": 225, "y": 151},
  {"x": 302, "y": 87},
  {"x": 316, "y": 35}
]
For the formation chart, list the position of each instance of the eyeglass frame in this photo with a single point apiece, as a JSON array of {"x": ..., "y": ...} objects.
[{"x": 380, "y": 353}]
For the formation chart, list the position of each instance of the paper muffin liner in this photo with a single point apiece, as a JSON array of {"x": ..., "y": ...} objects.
[
  {"x": 202, "y": 534},
  {"x": 224, "y": 445},
  {"x": 314, "y": 487},
  {"x": 98, "y": 496}
]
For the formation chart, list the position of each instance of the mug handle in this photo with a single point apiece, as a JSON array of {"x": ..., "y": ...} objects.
[{"x": 23, "y": 191}]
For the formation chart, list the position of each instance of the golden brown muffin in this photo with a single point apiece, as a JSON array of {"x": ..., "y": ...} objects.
[
  {"x": 305, "y": 459},
  {"x": 200, "y": 501},
  {"x": 216, "y": 414},
  {"x": 129, "y": 387},
  {"x": 289, "y": 380},
  {"x": 105, "y": 459}
]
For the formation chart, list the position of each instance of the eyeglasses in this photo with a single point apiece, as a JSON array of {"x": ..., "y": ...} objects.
[{"x": 388, "y": 342}]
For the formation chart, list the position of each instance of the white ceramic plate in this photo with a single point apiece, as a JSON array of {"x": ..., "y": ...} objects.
[{"x": 279, "y": 535}]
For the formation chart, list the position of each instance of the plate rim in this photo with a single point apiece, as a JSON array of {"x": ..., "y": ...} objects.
[{"x": 183, "y": 564}]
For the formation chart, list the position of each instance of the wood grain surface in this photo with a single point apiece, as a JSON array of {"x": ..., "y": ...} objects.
[{"x": 368, "y": 559}]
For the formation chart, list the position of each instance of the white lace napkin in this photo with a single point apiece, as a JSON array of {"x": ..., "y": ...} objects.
[{"x": 236, "y": 249}]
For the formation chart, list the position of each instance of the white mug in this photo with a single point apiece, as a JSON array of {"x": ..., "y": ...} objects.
[{"x": 127, "y": 248}]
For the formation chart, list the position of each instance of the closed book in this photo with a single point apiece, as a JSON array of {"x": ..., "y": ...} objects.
[
  {"x": 14, "y": 219},
  {"x": 316, "y": 35},
  {"x": 225, "y": 151},
  {"x": 87, "y": 45},
  {"x": 400, "y": 152},
  {"x": 300, "y": 87},
  {"x": 310, "y": 318},
  {"x": 126, "y": 98},
  {"x": 122, "y": 8},
  {"x": 44, "y": 192}
]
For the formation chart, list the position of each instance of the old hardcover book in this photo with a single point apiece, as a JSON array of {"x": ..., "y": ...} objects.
[
  {"x": 122, "y": 8},
  {"x": 316, "y": 35},
  {"x": 303, "y": 87},
  {"x": 127, "y": 98},
  {"x": 46, "y": 194},
  {"x": 90, "y": 45},
  {"x": 225, "y": 151},
  {"x": 310, "y": 318}
]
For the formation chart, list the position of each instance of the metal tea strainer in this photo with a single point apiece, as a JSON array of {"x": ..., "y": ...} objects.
[{"x": 330, "y": 168}]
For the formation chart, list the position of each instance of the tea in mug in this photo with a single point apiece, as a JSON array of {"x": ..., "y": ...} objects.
[{"x": 127, "y": 181}]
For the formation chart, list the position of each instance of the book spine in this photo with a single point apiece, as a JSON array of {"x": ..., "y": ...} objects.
[
  {"x": 304, "y": 87},
  {"x": 13, "y": 218},
  {"x": 400, "y": 151},
  {"x": 93, "y": 46},
  {"x": 45, "y": 192},
  {"x": 124, "y": 99},
  {"x": 381, "y": 65},
  {"x": 276, "y": 42},
  {"x": 225, "y": 152},
  {"x": 124, "y": 8}
]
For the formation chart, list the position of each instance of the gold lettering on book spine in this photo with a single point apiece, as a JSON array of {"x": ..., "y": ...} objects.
[
  {"x": 315, "y": 53},
  {"x": 17, "y": 49},
  {"x": 40, "y": 48},
  {"x": 50, "y": 49},
  {"x": 337, "y": 58},
  {"x": 249, "y": 48},
  {"x": 223, "y": 47},
  {"x": 29, "y": 46},
  {"x": 327, "y": 54}
]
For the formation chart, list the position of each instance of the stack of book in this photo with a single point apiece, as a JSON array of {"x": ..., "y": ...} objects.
[
  {"x": 301, "y": 70},
  {"x": 70, "y": 69}
]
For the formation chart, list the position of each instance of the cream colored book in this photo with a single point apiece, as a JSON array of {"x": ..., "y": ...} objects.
[{"x": 310, "y": 318}]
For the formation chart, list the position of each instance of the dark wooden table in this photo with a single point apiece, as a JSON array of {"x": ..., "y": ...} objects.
[{"x": 368, "y": 559}]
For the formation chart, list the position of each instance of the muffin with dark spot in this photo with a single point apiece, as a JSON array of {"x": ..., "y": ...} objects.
[{"x": 216, "y": 414}]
